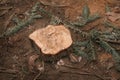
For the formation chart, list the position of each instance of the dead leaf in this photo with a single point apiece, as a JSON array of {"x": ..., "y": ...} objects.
[
  {"x": 75, "y": 58},
  {"x": 52, "y": 39},
  {"x": 113, "y": 16}
]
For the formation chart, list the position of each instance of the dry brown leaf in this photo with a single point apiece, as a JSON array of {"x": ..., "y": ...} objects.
[
  {"x": 104, "y": 57},
  {"x": 113, "y": 16},
  {"x": 31, "y": 61},
  {"x": 75, "y": 58},
  {"x": 52, "y": 39}
]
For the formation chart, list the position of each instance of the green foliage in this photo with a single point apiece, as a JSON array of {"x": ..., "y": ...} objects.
[
  {"x": 55, "y": 20},
  {"x": 24, "y": 23},
  {"x": 77, "y": 49},
  {"x": 83, "y": 43},
  {"x": 89, "y": 53},
  {"x": 109, "y": 24},
  {"x": 91, "y": 50},
  {"x": 113, "y": 52},
  {"x": 115, "y": 34},
  {"x": 85, "y": 12},
  {"x": 98, "y": 37},
  {"x": 109, "y": 49},
  {"x": 45, "y": 12},
  {"x": 86, "y": 17},
  {"x": 93, "y": 18},
  {"x": 107, "y": 8}
]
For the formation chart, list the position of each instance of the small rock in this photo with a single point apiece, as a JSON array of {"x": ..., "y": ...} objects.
[
  {"x": 60, "y": 62},
  {"x": 79, "y": 59},
  {"x": 52, "y": 39}
]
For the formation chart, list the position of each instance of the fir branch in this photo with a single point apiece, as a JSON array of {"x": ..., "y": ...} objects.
[
  {"x": 112, "y": 41},
  {"x": 82, "y": 33},
  {"x": 107, "y": 9},
  {"x": 94, "y": 35},
  {"x": 79, "y": 23},
  {"x": 55, "y": 20},
  {"x": 86, "y": 17},
  {"x": 109, "y": 49},
  {"x": 84, "y": 43},
  {"x": 93, "y": 18},
  {"x": 35, "y": 9},
  {"x": 77, "y": 51},
  {"x": 16, "y": 20},
  {"x": 91, "y": 52},
  {"x": 114, "y": 35},
  {"x": 108, "y": 36},
  {"x": 43, "y": 11},
  {"x": 85, "y": 12},
  {"x": 109, "y": 24},
  {"x": 22, "y": 24}
]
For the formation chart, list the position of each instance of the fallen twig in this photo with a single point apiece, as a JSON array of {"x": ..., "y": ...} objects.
[
  {"x": 112, "y": 41},
  {"x": 8, "y": 20},
  {"x": 36, "y": 77},
  {"x": 82, "y": 73},
  {"x": 72, "y": 67},
  {"x": 4, "y": 8},
  {"x": 10, "y": 71}
]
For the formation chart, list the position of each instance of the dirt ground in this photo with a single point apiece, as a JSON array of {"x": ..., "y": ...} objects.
[{"x": 16, "y": 49}]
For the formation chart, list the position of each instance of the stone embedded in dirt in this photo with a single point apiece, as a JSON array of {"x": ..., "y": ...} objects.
[{"x": 52, "y": 39}]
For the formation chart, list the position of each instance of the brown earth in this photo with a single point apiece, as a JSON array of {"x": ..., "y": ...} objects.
[{"x": 16, "y": 49}]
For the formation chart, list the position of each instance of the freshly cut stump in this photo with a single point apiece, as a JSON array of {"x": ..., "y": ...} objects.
[{"x": 52, "y": 39}]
